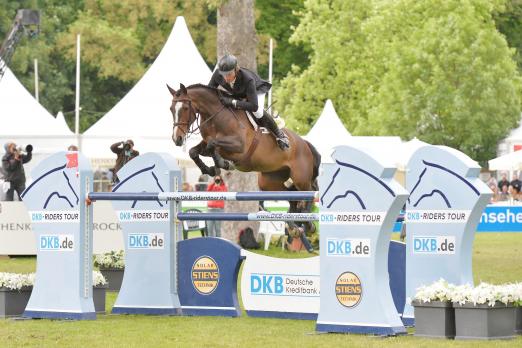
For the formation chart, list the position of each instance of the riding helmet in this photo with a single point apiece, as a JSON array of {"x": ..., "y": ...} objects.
[{"x": 227, "y": 64}]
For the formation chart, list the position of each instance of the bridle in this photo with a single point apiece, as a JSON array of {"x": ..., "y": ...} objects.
[{"x": 193, "y": 111}]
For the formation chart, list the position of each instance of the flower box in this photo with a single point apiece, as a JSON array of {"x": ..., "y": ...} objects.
[
  {"x": 484, "y": 322},
  {"x": 518, "y": 320},
  {"x": 114, "y": 277},
  {"x": 14, "y": 301},
  {"x": 434, "y": 319},
  {"x": 98, "y": 296}
]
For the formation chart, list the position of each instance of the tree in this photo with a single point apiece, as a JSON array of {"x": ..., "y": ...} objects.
[
  {"x": 438, "y": 70},
  {"x": 236, "y": 35}
]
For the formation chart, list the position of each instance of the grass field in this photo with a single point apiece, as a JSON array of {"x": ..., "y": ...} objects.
[{"x": 497, "y": 258}]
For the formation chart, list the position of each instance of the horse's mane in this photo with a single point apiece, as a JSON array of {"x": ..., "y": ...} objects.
[{"x": 199, "y": 85}]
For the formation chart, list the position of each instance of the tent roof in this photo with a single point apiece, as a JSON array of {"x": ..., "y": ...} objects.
[
  {"x": 511, "y": 161},
  {"x": 328, "y": 122},
  {"x": 328, "y": 131},
  {"x": 144, "y": 111},
  {"x": 62, "y": 124},
  {"x": 21, "y": 114}
]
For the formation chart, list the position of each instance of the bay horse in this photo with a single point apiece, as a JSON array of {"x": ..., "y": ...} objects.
[{"x": 233, "y": 143}]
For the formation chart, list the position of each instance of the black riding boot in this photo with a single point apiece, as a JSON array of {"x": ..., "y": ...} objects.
[{"x": 269, "y": 123}]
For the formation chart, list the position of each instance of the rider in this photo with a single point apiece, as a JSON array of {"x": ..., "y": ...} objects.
[{"x": 248, "y": 91}]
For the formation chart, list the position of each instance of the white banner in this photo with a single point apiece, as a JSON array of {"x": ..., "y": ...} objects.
[
  {"x": 437, "y": 216},
  {"x": 353, "y": 218},
  {"x": 271, "y": 284},
  {"x": 45, "y": 216},
  {"x": 142, "y": 215}
]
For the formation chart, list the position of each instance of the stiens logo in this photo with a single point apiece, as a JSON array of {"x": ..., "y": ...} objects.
[
  {"x": 284, "y": 285},
  {"x": 60, "y": 242},
  {"x": 348, "y": 289},
  {"x": 348, "y": 247},
  {"x": 205, "y": 275},
  {"x": 434, "y": 245},
  {"x": 146, "y": 241}
]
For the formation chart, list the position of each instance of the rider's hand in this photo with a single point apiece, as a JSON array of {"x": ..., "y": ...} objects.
[{"x": 227, "y": 101}]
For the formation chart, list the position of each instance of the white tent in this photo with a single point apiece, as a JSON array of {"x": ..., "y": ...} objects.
[
  {"x": 511, "y": 161},
  {"x": 24, "y": 121},
  {"x": 328, "y": 131},
  {"x": 62, "y": 124},
  {"x": 143, "y": 115}
]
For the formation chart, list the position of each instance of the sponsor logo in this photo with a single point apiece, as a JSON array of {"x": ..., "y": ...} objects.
[
  {"x": 352, "y": 218},
  {"x": 284, "y": 285},
  {"x": 142, "y": 215},
  {"x": 60, "y": 242},
  {"x": 205, "y": 275},
  {"x": 54, "y": 216},
  {"x": 434, "y": 245},
  {"x": 146, "y": 241},
  {"x": 348, "y": 289},
  {"x": 437, "y": 216},
  {"x": 348, "y": 247}
]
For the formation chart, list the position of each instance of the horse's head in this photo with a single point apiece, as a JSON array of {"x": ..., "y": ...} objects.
[{"x": 183, "y": 114}]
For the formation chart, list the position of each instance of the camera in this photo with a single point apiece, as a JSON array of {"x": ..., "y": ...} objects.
[
  {"x": 127, "y": 145},
  {"x": 26, "y": 149}
]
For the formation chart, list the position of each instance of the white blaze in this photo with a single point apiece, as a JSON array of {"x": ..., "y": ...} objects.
[{"x": 177, "y": 107}]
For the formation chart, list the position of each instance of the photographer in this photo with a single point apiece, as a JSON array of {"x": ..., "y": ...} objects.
[
  {"x": 13, "y": 169},
  {"x": 125, "y": 151},
  {"x": 214, "y": 227}
]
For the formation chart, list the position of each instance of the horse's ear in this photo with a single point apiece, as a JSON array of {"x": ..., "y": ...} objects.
[
  {"x": 171, "y": 90},
  {"x": 182, "y": 88}
]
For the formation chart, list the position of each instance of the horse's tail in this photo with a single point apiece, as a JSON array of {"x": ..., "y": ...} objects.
[{"x": 316, "y": 163}]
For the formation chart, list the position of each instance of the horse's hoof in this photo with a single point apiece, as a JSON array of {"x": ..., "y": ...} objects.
[
  {"x": 229, "y": 165},
  {"x": 213, "y": 171}
]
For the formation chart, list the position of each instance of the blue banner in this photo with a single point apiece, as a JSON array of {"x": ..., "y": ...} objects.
[{"x": 501, "y": 219}]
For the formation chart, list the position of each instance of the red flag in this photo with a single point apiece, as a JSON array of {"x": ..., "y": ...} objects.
[{"x": 72, "y": 160}]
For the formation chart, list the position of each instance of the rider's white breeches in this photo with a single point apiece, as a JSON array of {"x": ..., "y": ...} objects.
[{"x": 261, "y": 105}]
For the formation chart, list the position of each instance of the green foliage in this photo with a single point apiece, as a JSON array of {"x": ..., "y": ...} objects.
[
  {"x": 437, "y": 69},
  {"x": 275, "y": 20},
  {"x": 508, "y": 20}
]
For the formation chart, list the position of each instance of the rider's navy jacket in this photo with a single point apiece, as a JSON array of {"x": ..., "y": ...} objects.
[{"x": 246, "y": 86}]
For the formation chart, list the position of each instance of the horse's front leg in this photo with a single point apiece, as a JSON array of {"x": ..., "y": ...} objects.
[
  {"x": 219, "y": 161},
  {"x": 195, "y": 152}
]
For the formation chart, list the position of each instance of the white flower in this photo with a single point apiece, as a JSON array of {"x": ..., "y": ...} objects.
[
  {"x": 15, "y": 281},
  {"x": 113, "y": 259},
  {"x": 98, "y": 279},
  {"x": 438, "y": 291}
]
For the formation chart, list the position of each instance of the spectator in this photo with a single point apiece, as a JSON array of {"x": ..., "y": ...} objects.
[
  {"x": 492, "y": 181},
  {"x": 72, "y": 148},
  {"x": 125, "y": 152},
  {"x": 503, "y": 181},
  {"x": 214, "y": 227},
  {"x": 494, "y": 189},
  {"x": 202, "y": 183},
  {"x": 516, "y": 183},
  {"x": 504, "y": 194},
  {"x": 297, "y": 229},
  {"x": 13, "y": 169},
  {"x": 186, "y": 187}
]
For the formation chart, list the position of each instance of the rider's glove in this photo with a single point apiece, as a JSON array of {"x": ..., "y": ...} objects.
[{"x": 228, "y": 101}]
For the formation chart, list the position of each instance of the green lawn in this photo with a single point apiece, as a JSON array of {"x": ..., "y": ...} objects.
[{"x": 497, "y": 258}]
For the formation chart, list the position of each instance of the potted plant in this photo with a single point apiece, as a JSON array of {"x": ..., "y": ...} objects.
[
  {"x": 434, "y": 315},
  {"x": 112, "y": 266},
  {"x": 98, "y": 292},
  {"x": 15, "y": 290},
  {"x": 484, "y": 312}
]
